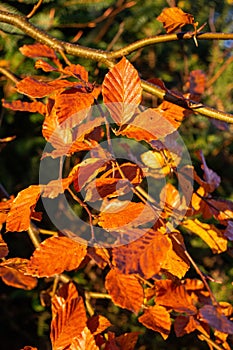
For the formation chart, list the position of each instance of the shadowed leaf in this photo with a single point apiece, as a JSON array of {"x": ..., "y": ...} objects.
[{"x": 216, "y": 319}]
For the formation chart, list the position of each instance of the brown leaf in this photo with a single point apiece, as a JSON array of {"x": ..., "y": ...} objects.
[
  {"x": 56, "y": 187},
  {"x": 97, "y": 324},
  {"x": 125, "y": 290},
  {"x": 69, "y": 317},
  {"x": 216, "y": 319},
  {"x": 122, "y": 91},
  {"x": 197, "y": 82},
  {"x": 12, "y": 272},
  {"x": 209, "y": 233},
  {"x": 51, "y": 257},
  {"x": 37, "y": 50},
  {"x": 45, "y": 66},
  {"x": 145, "y": 255},
  {"x": 133, "y": 213},
  {"x": 157, "y": 318},
  {"x": 99, "y": 255},
  {"x": 106, "y": 188},
  {"x": 174, "y": 114},
  {"x": 85, "y": 341},
  {"x": 3, "y": 248},
  {"x": 174, "y": 18},
  {"x": 22, "y": 208},
  {"x": 34, "y": 107},
  {"x": 228, "y": 233},
  {"x": 76, "y": 70},
  {"x": 148, "y": 126},
  {"x": 29, "y": 348},
  {"x": 184, "y": 325},
  {"x": 174, "y": 296},
  {"x": 127, "y": 341}
]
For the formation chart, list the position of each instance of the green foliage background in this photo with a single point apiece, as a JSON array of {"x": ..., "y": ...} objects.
[{"x": 21, "y": 313}]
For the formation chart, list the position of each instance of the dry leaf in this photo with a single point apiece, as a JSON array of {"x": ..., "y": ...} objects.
[
  {"x": 34, "y": 107},
  {"x": 157, "y": 318},
  {"x": 184, "y": 325},
  {"x": 125, "y": 290},
  {"x": 3, "y": 248},
  {"x": 174, "y": 18},
  {"x": 216, "y": 319},
  {"x": 127, "y": 341},
  {"x": 122, "y": 91},
  {"x": 51, "y": 257},
  {"x": 97, "y": 324},
  {"x": 85, "y": 341},
  {"x": 37, "y": 50}
]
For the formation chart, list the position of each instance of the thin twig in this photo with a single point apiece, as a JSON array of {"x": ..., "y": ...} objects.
[
  {"x": 35, "y": 8},
  {"x": 210, "y": 341},
  {"x": 32, "y": 232}
]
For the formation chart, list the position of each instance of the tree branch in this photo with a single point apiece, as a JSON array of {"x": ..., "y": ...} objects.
[{"x": 108, "y": 58}]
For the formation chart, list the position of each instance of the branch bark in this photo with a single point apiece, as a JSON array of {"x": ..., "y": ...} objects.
[{"x": 109, "y": 57}]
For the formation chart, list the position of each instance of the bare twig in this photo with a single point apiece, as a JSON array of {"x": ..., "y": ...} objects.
[{"x": 35, "y": 8}]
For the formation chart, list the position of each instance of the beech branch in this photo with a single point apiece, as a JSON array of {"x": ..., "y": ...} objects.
[{"x": 109, "y": 57}]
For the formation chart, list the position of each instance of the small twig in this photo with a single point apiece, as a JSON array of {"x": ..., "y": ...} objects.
[
  {"x": 96, "y": 295},
  {"x": 33, "y": 234},
  {"x": 219, "y": 72},
  {"x": 35, "y": 8},
  {"x": 210, "y": 341},
  {"x": 9, "y": 75}
]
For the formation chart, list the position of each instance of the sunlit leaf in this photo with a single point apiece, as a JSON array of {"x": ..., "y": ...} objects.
[
  {"x": 34, "y": 107},
  {"x": 216, "y": 319},
  {"x": 157, "y": 318},
  {"x": 3, "y": 248},
  {"x": 69, "y": 318},
  {"x": 174, "y": 18},
  {"x": 37, "y": 50},
  {"x": 51, "y": 257},
  {"x": 22, "y": 208},
  {"x": 209, "y": 233},
  {"x": 125, "y": 290},
  {"x": 174, "y": 296},
  {"x": 45, "y": 66},
  {"x": 99, "y": 255},
  {"x": 76, "y": 70},
  {"x": 85, "y": 341},
  {"x": 197, "y": 82},
  {"x": 127, "y": 341},
  {"x": 12, "y": 272},
  {"x": 97, "y": 324},
  {"x": 122, "y": 91},
  {"x": 56, "y": 187}
]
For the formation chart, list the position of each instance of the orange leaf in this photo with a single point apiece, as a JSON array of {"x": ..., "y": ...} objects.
[
  {"x": 97, "y": 324},
  {"x": 174, "y": 114},
  {"x": 34, "y": 107},
  {"x": 100, "y": 256},
  {"x": 29, "y": 348},
  {"x": 148, "y": 126},
  {"x": 3, "y": 248},
  {"x": 125, "y": 290},
  {"x": 197, "y": 82},
  {"x": 76, "y": 70},
  {"x": 12, "y": 272},
  {"x": 45, "y": 262},
  {"x": 209, "y": 233},
  {"x": 216, "y": 319},
  {"x": 85, "y": 341},
  {"x": 122, "y": 91},
  {"x": 37, "y": 50},
  {"x": 145, "y": 255},
  {"x": 184, "y": 325},
  {"x": 56, "y": 187},
  {"x": 127, "y": 341},
  {"x": 45, "y": 66},
  {"x": 174, "y": 18},
  {"x": 22, "y": 208},
  {"x": 106, "y": 188},
  {"x": 174, "y": 296},
  {"x": 157, "y": 318},
  {"x": 69, "y": 317},
  {"x": 132, "y": 214}
]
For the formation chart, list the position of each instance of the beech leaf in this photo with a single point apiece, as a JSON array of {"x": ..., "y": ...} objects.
[
  {"x": 3, "y": 248},
  {"x": 51, "y": 257},
  {"x": 85, "y": 341},
  {"x": 125, "y": 290},
  {"x": 37, "y": 50},
  {"x": 34, "y": 107},
  {"x": 122, "y": 91},
  {"x": 157, "y": 318},
  {"x": 216, "y": 319},
  {"x": 97, "y": 324},
  {"x": 174, "y": 18},
  {"x": 127, "y": 341}
]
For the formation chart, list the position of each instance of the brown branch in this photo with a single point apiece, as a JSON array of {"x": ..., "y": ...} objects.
[{"x": 35, "y": 8}]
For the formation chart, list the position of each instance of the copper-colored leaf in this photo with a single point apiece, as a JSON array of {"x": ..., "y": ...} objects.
[
  {"x": 56, "y": 187},
  {"x": 174, "y": 18},
  {"x": 18, "y": 218},
  {"x": 197, "y": 82},
  {"x": 29, "y": 348},
  {"x": 122, "y": 91},
  {"x": 76, "y": 70},
  {"x": 37, "y": 50},
  {"x": 51, "y": 257},
  {"x": 97, "y": 324},
  {"x": 85, "y": 341},
  {"x": 209, "y": 233},
  {"x": 12, "y": 272},
  {"x": 216, "y": 319},
  {"x": 133, "y": 213},
  {"x": 69, "y": 317},
  {"x": 145, "y": 255},
  {"x": 148, "y": 126},
  {"x": 127, "y": 341},
  {"x": 33, "y": 107},
  {"x": 174, "y": 114},
  {"x": 125, "y": 290},
  {"x": 157, "y": 318},
  {"x": 99, "y": 255},
  {"x": 107, "y": 188},
  {"x": 184, "y": 325},
  {"x": 45, "y": 66},
  {"x": 3, "y": 248},
  {"x": 174, "y": 296}
]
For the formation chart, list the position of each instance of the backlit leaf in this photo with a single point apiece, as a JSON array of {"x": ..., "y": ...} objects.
[
  {"x": 125, "y": 290},
  {"x": 216, "y": 319},
  {"x": 174, "y": 18},
  {"x": 209, "y": 233},
  {"x": 76, "y": 70},
  {"x": 122, "y": 91},
  {"x": 3, "y": 248},
  {"x": 127, "y": 341},
  {"x": 85, "y": 341},
  {"x": 12, "y": 272},
  {"x": 197, "y": 82},
  {"x": 34, "y": 107},
  {"x": 22, "y": 208},
  {"x": 37, "y": 50},
  {"x": 157, "y": 318},
  {"x": 51, "y": 257},
  {"x": 45, "y": 66},
  {"x": 97, "y": 324},
  {"x": 69, "y": 320},
  {"x": 174, "y": 296}
]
